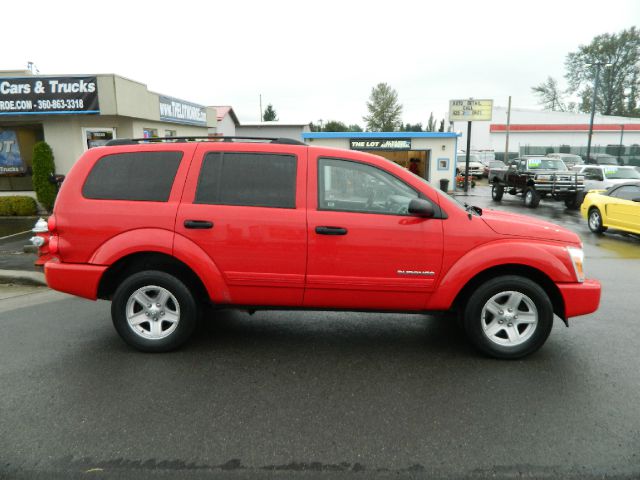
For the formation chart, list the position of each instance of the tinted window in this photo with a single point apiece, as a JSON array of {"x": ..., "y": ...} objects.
[
  {"x": 142, "y": 176},
  {"x": 248, "y": 179},
  {"x": 355, "y": 187}
]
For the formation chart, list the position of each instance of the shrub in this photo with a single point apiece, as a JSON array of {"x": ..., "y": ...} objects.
[
  {"x": 43, "y": 168},
  {"x": 18, "y": 205}
]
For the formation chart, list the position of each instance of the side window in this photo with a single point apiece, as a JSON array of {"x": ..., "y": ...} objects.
[
  {"x": 628, "y": 192},
  {"x": 141, "y": 176},
  {"x": 248, "y": 179},
  {"x": 355, "y": 187}
]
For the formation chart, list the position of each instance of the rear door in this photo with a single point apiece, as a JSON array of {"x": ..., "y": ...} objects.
[
  {"x": 244, "y": 205},
  {"x": 365, "y": 250}
]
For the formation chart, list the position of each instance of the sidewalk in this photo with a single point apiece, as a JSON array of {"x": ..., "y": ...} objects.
[{"x": 16, "y": 266}]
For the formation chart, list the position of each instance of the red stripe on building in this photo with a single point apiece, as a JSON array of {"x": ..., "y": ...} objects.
[{"x": 578, "y": 127}]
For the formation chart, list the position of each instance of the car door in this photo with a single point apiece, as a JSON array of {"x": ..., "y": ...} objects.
[
  {"x": 246, "y": 210},
  {"x": 593, "y": 178},
  {"x": 365, "y": 250},
  {"x": 622, "y": 211}
]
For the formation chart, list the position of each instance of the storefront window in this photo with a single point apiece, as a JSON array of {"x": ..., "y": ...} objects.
[
  {"x": 170, "y": 133},
  {"x": 96, "y": 137},
  {"x": 150, "y": 133}
]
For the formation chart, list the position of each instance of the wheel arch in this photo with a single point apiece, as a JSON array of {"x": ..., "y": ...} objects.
[
  {"x": 525, "y": 271},
  {"x": 149, "y": 260}
]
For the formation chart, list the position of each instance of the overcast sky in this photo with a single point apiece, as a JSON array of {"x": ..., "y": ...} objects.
[{"x": 313, "y": 60}]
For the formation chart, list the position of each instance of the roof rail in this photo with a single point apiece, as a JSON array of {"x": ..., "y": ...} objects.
[{"x": 134, "y": 141}]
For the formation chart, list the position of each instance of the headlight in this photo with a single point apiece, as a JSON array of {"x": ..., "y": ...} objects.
[{"x": 577, "y": 258}]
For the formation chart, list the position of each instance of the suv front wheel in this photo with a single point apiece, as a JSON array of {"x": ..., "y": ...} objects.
[
  {"x": 154, "y": 311},
  {"x": 508, "y": 317}
]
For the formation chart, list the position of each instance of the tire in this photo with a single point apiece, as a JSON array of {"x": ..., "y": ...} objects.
[
  {"x": 497, "y": 191},
  {"x": 510, "y": 334},
  {"x": 594, "y": 220},
  {"x": 154, "y": 311},
  {"x": 571, "y": 202},
  {"x": 531, "y": 198}
]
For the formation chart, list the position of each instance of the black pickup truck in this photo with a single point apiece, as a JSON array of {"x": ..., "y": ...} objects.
[{"x": 536, "y": 177}]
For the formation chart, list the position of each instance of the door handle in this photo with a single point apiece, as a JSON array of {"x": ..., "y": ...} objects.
[
  {"x": 198, "y": 224},
  {"x": 331, "y": 231}
]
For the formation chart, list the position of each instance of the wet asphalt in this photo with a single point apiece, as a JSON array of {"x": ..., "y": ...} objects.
[{"x": 325, "y": 395}]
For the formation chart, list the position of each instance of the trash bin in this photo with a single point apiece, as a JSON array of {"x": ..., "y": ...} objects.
[{"x": 444, "y": 184}]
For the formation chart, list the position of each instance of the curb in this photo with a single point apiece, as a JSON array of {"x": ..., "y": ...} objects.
[{"x": 20, "y": 277}]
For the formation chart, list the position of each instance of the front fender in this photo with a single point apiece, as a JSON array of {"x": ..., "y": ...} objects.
[{"x": 550, "y": 259}]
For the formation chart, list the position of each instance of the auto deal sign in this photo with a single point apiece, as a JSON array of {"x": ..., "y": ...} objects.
[{"x": 48, "y": 95}]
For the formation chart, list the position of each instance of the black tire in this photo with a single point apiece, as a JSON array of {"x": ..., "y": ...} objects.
[
  {"x": 497, "y": 191},
  {"x": 594, "y": 220},
  {"x": 163, "y": 334},
  {"x": 572, "y": 202},
  {"x": 531, "y": 198},
  {"x": 532, "y": 336}
]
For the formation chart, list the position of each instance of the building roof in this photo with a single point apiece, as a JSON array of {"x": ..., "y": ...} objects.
[
  {"x": 565, "y": 127},
  {"x": 275, "y": 124},
  {"x": 224, "y": 110},
  {"x": 380, "y": 135}
]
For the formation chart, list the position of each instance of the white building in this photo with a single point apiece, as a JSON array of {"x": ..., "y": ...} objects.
[{"x": 539, "y": 128}]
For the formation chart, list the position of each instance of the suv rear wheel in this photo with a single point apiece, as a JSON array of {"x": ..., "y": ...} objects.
[
  {"x": 154, "y": 311},
  {"x": 508, "y": 317}
]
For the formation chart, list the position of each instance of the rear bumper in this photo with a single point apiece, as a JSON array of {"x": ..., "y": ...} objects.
[
  {"x": 580, "y": 298},
  {"x": 75, "y": 278}
]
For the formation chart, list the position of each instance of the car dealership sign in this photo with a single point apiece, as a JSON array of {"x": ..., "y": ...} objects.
[
  {"x": 48, "y": 95},
  {"x": 179, "y": 111},
  {"x": 470, "y": 110},
  {"x": 380, "y": 144}
]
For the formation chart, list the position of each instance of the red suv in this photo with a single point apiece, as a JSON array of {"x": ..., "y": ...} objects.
[{"x": 161, "y": 228}]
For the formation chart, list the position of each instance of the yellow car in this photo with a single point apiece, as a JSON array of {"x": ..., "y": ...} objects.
[{"x": 617, "y": 207}]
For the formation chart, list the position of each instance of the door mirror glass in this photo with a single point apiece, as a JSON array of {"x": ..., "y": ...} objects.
[{"x": 421, "y": 208}]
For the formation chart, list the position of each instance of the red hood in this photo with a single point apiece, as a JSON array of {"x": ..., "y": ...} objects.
[{"x": 527, "y": 227}]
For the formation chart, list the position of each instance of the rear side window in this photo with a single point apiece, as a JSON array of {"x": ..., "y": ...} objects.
[
  {"x": 248, "y": 179},
  {"x": 141, "y": 176}
]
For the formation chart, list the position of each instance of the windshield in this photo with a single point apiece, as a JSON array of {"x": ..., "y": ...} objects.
[
  {"x": 618, "y": 173},
  {"x": 606, "y": 160},
  {"x": 546, "y": 164}
]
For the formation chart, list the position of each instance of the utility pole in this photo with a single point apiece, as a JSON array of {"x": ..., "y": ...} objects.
[
  {"x": 593, "y": 103},
  {"x": 466, "y": 163},
  {"x": 506, "y": 144},
  {"x": 261, "y": 108}
]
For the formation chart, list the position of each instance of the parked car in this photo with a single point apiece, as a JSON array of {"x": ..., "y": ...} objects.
[
  {"x": 601, "y": 159},
  {"x": 161, "y": 228},
  {"x": 476, "y": 167},
  {"x": 618, "y": 207},
  {"x": 569, "y": 159},
  {"x": 602, "y": 177},
  {"x": 535, "y": 177}
]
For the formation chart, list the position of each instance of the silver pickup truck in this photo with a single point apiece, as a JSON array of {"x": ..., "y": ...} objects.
[{"x": 536, "y": 177}]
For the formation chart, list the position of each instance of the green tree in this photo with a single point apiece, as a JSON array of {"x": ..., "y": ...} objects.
[
  {"x": 618, "y": 89},
  {"x": 441, "y": 128},
  {"x": 412, "y": 128},
  {"x": 549, "y": 95},
  {"x": 269, "y": 114},
  {"x": 335, "y": 126},
  {"x": 384, "y": 109},
  {"x": 354, "y": 127},
  {"x": 431, "y": 124},
  {"x": 43, "y": 168}
]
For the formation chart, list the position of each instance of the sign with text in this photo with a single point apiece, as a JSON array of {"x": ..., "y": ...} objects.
[
  {"x": 178, "y": 111},
  {"x": 10, "y": 159},
  {"x": 43, "y": 95},
  {"x": 380, "y": 144},
  {"x": 470, "y": 110}
]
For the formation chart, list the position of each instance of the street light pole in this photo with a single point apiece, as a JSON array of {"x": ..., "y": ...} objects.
[{"x": 593, "y": 102}]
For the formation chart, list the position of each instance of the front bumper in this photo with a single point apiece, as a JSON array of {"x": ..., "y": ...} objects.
[
  {"x": 75, "y": 278},
  {"x": 580, "y": 298}
]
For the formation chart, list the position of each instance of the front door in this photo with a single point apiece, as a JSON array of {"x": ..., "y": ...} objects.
[
  {"x": 365, "y": 250},
  {"x": 246, "y": 211}
]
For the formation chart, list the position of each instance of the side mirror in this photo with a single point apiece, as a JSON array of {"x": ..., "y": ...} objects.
[
  {"x": 421, "y": 208},
  {"x": 637, "y": 199}
]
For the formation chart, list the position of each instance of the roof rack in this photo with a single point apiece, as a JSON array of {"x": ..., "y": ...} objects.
[{"x": 135, "y": 141}]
